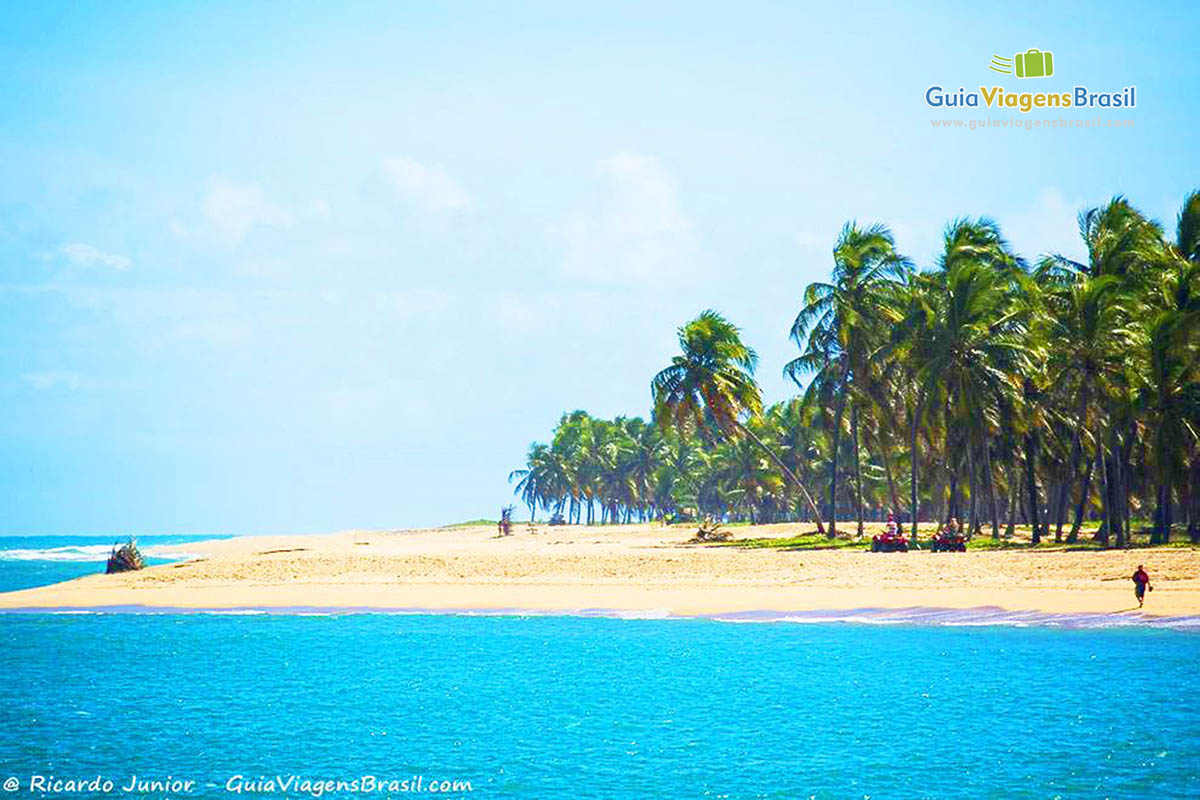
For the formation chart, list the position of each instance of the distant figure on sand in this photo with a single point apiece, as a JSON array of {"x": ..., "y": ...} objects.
[
  {"x": 1141, "y": 582},
  {"x": 892, "y": 527}
]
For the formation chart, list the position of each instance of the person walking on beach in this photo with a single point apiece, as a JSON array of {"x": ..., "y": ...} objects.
[{"x": 1141, "y": 582}]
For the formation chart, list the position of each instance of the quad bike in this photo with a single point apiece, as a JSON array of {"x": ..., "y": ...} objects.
[
  {"x": 948, "y": 543},
  {"x": 889, "y": 542}
]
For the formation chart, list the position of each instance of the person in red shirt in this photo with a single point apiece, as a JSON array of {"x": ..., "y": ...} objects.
[{"x": 1141, "y": 582}]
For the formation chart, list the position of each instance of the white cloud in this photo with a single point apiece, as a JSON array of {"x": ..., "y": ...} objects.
[
  {"x": 45, "y": 381},
  {"x": 84, "y": 255},
  {"x": 426, "y": 186},
  {"x": 232, "y": 210},
  {"x": 639, "y": 234}
]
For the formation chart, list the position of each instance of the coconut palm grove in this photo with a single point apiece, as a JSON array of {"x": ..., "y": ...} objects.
[{"x": 1059, "y": 396}]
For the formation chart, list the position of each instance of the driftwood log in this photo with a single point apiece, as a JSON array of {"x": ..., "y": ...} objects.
[{"x": 710, "y": 530}]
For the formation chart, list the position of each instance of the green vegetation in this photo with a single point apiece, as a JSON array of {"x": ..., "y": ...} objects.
[
  {"x": 808, "y": 541},
  {"x": 1058, "y": 395}
]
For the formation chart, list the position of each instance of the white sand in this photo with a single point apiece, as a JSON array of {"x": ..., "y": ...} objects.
[{"x": 634, "y": 568}]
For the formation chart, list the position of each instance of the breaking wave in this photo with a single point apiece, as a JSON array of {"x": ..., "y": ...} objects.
[{"x": 90, "y": 552}]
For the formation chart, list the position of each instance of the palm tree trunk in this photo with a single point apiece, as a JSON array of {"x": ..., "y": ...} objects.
[
  {"x": 885, "y": 456},
  {"x": 991, "y": 488},
  {"x": 1031, "y": 484},
  {"x": 1121, "y": 459},
  {"x": 1060, "y": 506},
  {"x": 857, "y": 467},
  {"x": 1185, "y": 500},
  {"x": 1156, "y": 531},
  {"x": 1194, "y": 500},
  {"x": 971, "y": 517},
  {"x": 1014, "y": 494},
  {"x": 1107, "y": 506},
  {"x": 1113, "y": 521},
  {"x": 1168, "y": 512},
  {"x": 952, "y": 480},
  {"x": 786, "y": 471},
  {"x": 916, "y": 509},
  {"x": 1076, "y": 455},
  {"x": 1127, "y": 480},
  {"x": 1084, "y": 493},
  {"x": 833, "y": 464}
]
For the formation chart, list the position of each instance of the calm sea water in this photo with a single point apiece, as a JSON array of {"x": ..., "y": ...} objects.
[
  {"x": 560, "y": 707},
  {"x": 27, "y": 561}
]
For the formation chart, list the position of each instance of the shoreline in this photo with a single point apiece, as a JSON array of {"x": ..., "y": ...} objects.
[
  {"x": 632, "y": 571},
  {"x": 981, "y": 616}
]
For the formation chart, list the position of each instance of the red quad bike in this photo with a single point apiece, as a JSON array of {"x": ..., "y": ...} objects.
[
  {"x": 948, "y": 543},
  {"x": 888, "y": 542}
]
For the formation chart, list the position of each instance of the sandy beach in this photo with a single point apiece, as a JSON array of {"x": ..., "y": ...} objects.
[{"x": 622, "y": 568}]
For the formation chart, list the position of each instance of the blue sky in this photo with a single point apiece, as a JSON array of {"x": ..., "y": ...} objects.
[{"x": 295, "y": 267}]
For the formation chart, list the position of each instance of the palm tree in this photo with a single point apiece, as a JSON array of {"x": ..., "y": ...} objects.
[
  {"x": 966, "y": 342},
  {"x": 1124, "y": 246},
  {"x": 827, "y": 389},
  {"x": 1038, "y": 386},
  {"x": 1185, "y": 251},
  {"x": 840, "y": 327},
  {"x": 1170, "y": 395},
  {"x": 1171, "y": 385},
  {"x": 1086, "y": 320},
  {"x": 710, "y": 387},
  {"x": 534, "y": 485}
]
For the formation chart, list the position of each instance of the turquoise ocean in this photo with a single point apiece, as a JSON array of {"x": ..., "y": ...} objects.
[
  {"x": 249, "y": 704},
  {"x": 28, "y": 561}
]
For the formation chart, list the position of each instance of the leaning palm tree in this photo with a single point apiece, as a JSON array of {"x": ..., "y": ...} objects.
[
  {"x": 794, "y": 437},
  {"x": 531, "y": 481},
  {"x": 710, "y": 387}
]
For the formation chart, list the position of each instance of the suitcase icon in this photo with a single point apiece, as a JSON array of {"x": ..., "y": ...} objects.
[{"x": 1034, "y": 63}]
